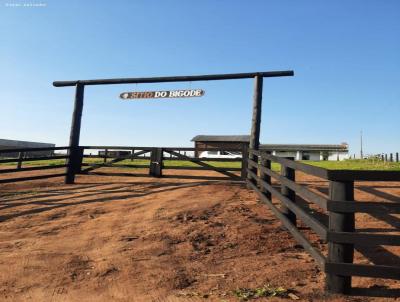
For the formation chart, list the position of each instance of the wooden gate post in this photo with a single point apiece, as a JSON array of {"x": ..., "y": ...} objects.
[
  {"x": 340, "y": 222},
  {"x": 255, "y": 124},
  {"x": 289, "y": 173},
  {"x": 245, "y": 155},
  {"x": 264, "y": 176},
  {"x": 73, "y": 151},
  {"x": 105, "y": 155},
  {"x": 152, "y": 161},
  {"x": 156, "y": 162},
  {"x": 21, "y": 156},
  {"x": 78, "y": 165}
]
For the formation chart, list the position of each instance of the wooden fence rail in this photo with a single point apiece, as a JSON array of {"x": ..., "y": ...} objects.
[
  {"x": 339, "y": 233},
  {"x": 157, "y": 157},
  {"x": 24, "y": 156},
  {"x": 75, "y": 160}
]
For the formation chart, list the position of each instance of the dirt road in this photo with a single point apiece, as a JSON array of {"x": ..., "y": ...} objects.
[{"x": 145, "y": 239}]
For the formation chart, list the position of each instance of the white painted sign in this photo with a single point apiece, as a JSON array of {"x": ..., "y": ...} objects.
[{"x": 162, "y": 94}]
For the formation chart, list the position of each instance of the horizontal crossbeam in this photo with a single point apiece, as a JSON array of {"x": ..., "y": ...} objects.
[{"x": 210, "y": 77}]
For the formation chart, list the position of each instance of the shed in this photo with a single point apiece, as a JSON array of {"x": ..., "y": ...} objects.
[
  {"x": 202, "y": 142},
  {"x": 297, "y": 151},
  {"x": 16, "y": 144}
]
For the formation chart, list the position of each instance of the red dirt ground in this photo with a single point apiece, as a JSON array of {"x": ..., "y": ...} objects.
[{"x": 145, "y": 239}]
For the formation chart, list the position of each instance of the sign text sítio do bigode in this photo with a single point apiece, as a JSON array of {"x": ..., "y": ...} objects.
[{"x": 162, "y": 94}]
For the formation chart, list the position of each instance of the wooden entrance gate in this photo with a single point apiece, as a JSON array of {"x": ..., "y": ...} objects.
[
  {"x": 157, "y": 159},
  {"x": 79, "y": 95}
]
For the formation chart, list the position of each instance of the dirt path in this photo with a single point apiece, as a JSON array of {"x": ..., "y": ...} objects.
[{"x": 144, "y": 239}]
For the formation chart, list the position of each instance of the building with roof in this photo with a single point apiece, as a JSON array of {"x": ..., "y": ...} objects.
[
  {"x": 297, "y": 151},
  {"x": 15, "y": 144}
]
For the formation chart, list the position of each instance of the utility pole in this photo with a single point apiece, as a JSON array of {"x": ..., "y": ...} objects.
[{"x": 361, "y": 141}]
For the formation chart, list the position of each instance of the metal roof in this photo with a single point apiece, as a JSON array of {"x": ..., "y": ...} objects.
[
  {"x": 304, "y": 147},
  {"x": 9, "y": 143},
  {"x": 221, "y": 138},
  {"x": 271, "y": 147}
]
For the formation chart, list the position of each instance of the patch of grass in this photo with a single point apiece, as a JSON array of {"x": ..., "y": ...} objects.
[
  {"x": 18, "y": 193},
  {"x": 183, "y": 163},
  {"x": 128, "y": 162},
  {"x": 245, "y": 294},
  {"x": 355, "y": 164},
  {"x": 123, "y": 162},
  {"x": 351, "y": 164},
  {"x": 276, "y": 167}
]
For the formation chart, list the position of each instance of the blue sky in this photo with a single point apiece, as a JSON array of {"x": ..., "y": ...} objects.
[{"x": 345, "y": 54}]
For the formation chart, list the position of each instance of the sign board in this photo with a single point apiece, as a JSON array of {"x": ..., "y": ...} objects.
[{"x": 162, "y": 94}]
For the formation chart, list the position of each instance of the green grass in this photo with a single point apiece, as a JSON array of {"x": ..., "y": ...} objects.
[
  {"x": 167, "y": 163},
  {"x": 246, "y": 294},
  {"x": 356, "y": 164},
  {"x": 353, "y": 164}
]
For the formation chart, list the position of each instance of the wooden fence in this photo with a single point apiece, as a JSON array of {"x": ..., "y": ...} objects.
[
  {"x": 390, "y": 158},
  {"x": 24, "y": 156},
  {"x": 339, "y": 208},
  {"x": 75, "y": 161},
  {"x": 157, "y": 157}
]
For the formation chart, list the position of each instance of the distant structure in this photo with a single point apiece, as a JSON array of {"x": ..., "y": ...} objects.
[
  {"x": 314, "y": 152},
  {"x": 219, "y": 141},
  {"x": 14, "y": 144},
  {"x": 361, "y": 145},
  {"x": 119, "y": 153}
]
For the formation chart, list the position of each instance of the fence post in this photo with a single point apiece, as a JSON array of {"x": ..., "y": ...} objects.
[
  {"x": 391, "y": 157},
  {"x": 152, "y": 161},
  {"x": 264, "y": 176},
  {"x": 133, "y": 152},
  {"x": 386, "y": 157},
  {"x": 105, "y": 155},
  {"x": 21, "y": 156},
  {"x": 288, "y": 173},
  {"x": 79, "y": 160},
  {"x": 340, "y": 222},
  {"x": 255, "y": 124},
  {"x": 245, "y": 155},
  {"x": 73, "y": 152},
  {"x": 156, "y": 162},
  {"x": 397, "y": 157}
]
